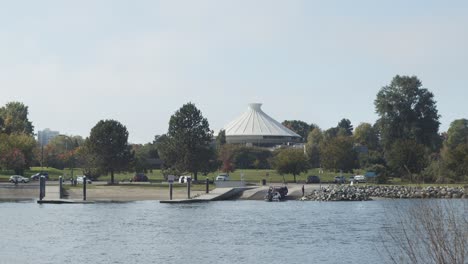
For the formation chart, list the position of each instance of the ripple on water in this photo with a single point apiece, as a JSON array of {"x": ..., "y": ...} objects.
[{"x": 217, "y": 232}]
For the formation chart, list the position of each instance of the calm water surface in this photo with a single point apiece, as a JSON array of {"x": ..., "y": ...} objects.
[{"x": 216, "y": 232}]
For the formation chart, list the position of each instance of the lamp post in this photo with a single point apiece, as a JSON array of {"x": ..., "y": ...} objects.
[{"x": 72, "y": 155}]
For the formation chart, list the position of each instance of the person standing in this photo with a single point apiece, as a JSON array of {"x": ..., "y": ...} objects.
[{"x": 303, "y": 190}]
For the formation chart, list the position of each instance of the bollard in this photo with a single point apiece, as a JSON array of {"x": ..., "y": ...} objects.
[
  {"x": 170, "y": 191},
  {"x": 188, "y": 187},
  {"x": 84, "y": 188},
  {"x": 60, "y": 187},
  {"x": 207, "y": 185},
  {"x": 42, "y": 187}
]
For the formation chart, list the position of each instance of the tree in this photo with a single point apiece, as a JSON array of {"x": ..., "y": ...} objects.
[
  {"x": 455, "y": 151},
  {"x": 366, "y": 135},
  {"x": 330, "y": 133},
  {"x": 187, "y": 141},
  {"x": 14, "y": 117},
  {"x": 60, "y": 151},
  {"x": 345, "y": 124},
  {"x": 298, "y": 126},
  {"x": 221, "y": 138},
  {"x": 145, "y": 157},
  {"x": 16, "y": 151},
  {"x": 407, "y": 112},
  {"x": 290, "y": 161},
  {"x": 457, "y": 133},
  {"x": 407, "y": 157},
  {"x": 108, "y": 143},
  {"x": 429, "y": 231},
  {"x": 87, "y": 161},
  {"x": 338, "y": 154},
  {"x": 251, "y": 157},
  {"x": 226, "y": 156},
  {"x": 314, "y": 139}
]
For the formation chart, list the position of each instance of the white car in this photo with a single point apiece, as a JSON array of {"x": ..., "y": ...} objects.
[
  {"x": 222, "y": 177},
  {"x": 18, "y": 178},
  {"x": 359, "y": 178},
  {"x": 80, "y": 179}
]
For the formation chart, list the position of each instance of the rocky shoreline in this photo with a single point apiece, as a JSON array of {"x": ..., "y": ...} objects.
[{"x": 367, "y": 192}]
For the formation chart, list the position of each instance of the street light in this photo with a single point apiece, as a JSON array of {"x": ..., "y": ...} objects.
[{"x": 72, "y": 155}]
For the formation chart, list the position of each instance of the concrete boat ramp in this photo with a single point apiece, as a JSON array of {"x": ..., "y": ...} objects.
[{"x": 215, "y": 195}]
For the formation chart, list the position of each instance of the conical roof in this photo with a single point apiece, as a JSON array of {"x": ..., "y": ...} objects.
[{"x": 254, "y": 122}]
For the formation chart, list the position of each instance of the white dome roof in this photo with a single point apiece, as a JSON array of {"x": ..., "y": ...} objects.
[{"x": 254, "y": 122}]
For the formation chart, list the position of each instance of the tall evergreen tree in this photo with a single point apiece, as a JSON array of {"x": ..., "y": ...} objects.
[{"x": 187, "y": 146}]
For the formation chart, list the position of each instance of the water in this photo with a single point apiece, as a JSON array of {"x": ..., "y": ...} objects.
[{"x": 215, "y": 232}]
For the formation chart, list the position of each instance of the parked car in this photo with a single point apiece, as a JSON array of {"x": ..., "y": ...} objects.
[
  {"x": 184, "y": 179},
  {"x": 140, "y": 177},
  {"x": 313, "y": 179},
  {"x": 340, "y": 179},
  {"x": 359, "y": 178},
  {"x": 80, "y": 179},
  {"x": 18, "y": 178},
  {"x": 36, "y": 176},
  {"x": 222, "y": 177}
]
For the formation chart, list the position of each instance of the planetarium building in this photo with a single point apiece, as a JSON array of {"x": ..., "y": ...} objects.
[{"x": 255, "y": 127}]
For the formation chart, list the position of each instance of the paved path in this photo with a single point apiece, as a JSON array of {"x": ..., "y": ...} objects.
[{"x": 52, "y": 192}]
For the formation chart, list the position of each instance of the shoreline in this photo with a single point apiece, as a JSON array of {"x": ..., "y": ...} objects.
[{"x": 116, "y": 193}]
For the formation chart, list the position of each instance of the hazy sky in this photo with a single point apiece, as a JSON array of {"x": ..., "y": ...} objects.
[{"x": 77, "y": 62}]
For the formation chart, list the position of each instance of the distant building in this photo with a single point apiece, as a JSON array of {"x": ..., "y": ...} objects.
[
  {"x": 255, "y": 127},
  {"x": 44, "y": 136}
]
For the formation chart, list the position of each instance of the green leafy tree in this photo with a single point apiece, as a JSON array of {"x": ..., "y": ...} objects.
[
  {"x": 366, "y": 135},
  {"x": 88, "y": 161},
  {"x": 331, "y": 133},
  {"x": 455, "y": 151},
  {"x": 187, "y": 141},
  {"x": 407, "y": 112},
  {"x": 407, "y": 157},
  {"x": 108, "y": 143},
  {"x": 457, "y": 133},
  {"x": 252, "y": 157},
  {"x": 338, "y": 154},
  {"x": 298, "y": 126},
  {"x": 314, "y": 139},
  {"x": 290, "y": 161},
  {"x": 14, "y": 117},
  {"x": 145, "y": 157},
  {"x": 221, "y": 138}
]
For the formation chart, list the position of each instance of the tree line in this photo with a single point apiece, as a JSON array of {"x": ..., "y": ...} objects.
[{"x": 404, "y": 142}]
